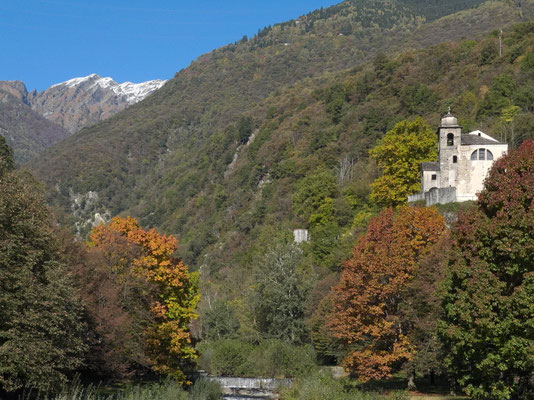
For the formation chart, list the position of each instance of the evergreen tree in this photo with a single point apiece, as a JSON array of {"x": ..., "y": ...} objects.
[{"x": 220, "y": 322}]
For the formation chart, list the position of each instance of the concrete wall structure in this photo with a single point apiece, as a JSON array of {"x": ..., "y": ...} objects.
[{"x": 301, "y": 235}]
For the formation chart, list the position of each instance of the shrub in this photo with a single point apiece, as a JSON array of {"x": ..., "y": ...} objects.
[
  {"x": 223, "y": 357},
  {"x": 275, "y": 358},
  {"x": 322, "y": 385},
  {"x": 271, "y": 358},
  {"x": 204, "y": 389}
]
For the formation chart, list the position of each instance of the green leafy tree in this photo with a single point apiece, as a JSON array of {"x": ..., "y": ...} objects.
[
  {"x": 281, "y": 292},
  {"x": 508, "y": 115},
  {"x": 313, "y": 200},
  {"x": 399, "y": 155},
  {"x": 40, "y": 326},
  {"x": 499, "y": 96},
  {"x": 329, "y": 349},
  {"x": 488, "y": 324},
  {"x": 421, "y": 307},
  {"x": 417, "y": 98},
  {"x": 219, "y": 321}
]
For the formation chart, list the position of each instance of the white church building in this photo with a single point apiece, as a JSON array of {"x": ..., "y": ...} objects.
[{"x": 464, "y": 160}]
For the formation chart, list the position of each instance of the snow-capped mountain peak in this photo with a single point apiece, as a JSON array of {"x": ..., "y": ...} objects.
[
  {"x": 131, "y": 92},
  {"x": 83, "y": 101}
]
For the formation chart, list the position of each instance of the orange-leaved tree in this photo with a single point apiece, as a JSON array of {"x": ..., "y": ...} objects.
[
  {"x": 171, "y": 294},
  {"x": 367, "y": 316}
]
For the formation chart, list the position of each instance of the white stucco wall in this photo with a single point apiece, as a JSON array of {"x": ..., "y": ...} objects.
[
  {"x": 427, "y": 182},
  {"x": 471, "y": 174}
]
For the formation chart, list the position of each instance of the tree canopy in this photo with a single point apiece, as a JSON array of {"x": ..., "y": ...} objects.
[
  {"x": 40, "y": 326},
  {"x": 367, "y": 314},
  {"x": 281, "y": 291},
  {"x": 488, "y": 323},
  {"x": 399, "y": 156},
  {"x": 172, "y": 292}
]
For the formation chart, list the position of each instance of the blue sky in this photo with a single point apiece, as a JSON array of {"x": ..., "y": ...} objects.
[{"x": 50, "y": 41}]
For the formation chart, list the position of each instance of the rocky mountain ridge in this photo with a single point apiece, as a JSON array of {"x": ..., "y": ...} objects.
[
  {"x": 33, "y": 121},
  {"x": 80, "y": 102}
]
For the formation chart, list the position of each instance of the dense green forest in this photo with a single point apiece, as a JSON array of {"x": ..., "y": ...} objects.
[
  {"x": 303, "y": 137},
  {"x": 122, "y": 158},
  {"x": 264, "y": 136},
  {"x": 168, "y": 160}
]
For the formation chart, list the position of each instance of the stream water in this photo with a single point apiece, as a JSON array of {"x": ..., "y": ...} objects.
[{"x": 235, "y": 388}]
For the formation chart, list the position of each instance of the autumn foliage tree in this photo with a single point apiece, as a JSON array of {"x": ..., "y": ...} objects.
[
  {"x": 170, "y": 295},
  {"x": 399, "y": 156},
  {"x": 113, "y": 314},
  {"x": 488, "y": 324},
  {"x": 367, "y": 315},
  {"x": 421, "y": 308}
]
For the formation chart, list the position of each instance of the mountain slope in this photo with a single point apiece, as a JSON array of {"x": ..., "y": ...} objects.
[
  {"x": 169, "y": 158},
  {"x": 80, "y": 102},
  {"x": 34, "y": 121},
  {"x": 25, "y": 130}
]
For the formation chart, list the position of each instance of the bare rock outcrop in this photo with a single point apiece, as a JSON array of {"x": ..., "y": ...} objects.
[{"x": 80, "y": 102}]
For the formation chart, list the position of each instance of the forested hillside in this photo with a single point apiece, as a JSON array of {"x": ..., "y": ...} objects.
[
  {"x": 123, "y": 158},
  {"x": 206, "y": 159},
  {"x": 307, "y": 166},
  {"x": 24, "y": 129},
  {"x": 282, "y": 132}
]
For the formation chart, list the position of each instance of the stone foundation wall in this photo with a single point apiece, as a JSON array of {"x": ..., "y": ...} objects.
[{"x": 435, "y": 196}]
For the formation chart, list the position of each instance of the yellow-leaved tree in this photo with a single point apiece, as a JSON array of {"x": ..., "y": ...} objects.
[
  {"x": 399, "y": 155},
  {"x": 170, "y": 291}
]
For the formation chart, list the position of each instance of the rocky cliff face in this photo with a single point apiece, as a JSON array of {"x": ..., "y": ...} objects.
[
  {"x": 16, "y": 89},
  {"x": 84, "y": 101}
]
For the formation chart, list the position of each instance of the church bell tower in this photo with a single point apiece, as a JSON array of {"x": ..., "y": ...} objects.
[{"x": 449, "y": 140}]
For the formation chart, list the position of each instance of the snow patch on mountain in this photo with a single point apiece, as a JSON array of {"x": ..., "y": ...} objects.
[{"x": 128, "y": 91}]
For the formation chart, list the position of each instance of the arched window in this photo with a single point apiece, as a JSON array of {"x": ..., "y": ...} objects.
[
  {"x": 454, "y": 159},
  {"x": 481, "y": 155},
  {"x": 450, "y": 139}
]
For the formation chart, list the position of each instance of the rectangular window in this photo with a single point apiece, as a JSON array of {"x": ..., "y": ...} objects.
[
  {"x": 434, "y": 177},
  {"x": 481, "y": 154}
]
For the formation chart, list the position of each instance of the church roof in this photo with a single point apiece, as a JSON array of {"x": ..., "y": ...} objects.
[
  {"x": 430, "y": 166},
  {"x": 469, "y": 140}
]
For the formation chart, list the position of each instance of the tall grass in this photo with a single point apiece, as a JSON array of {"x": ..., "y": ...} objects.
[
  {"x": 166, "y": 390},
  {"x": 321, "y": 385}
]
